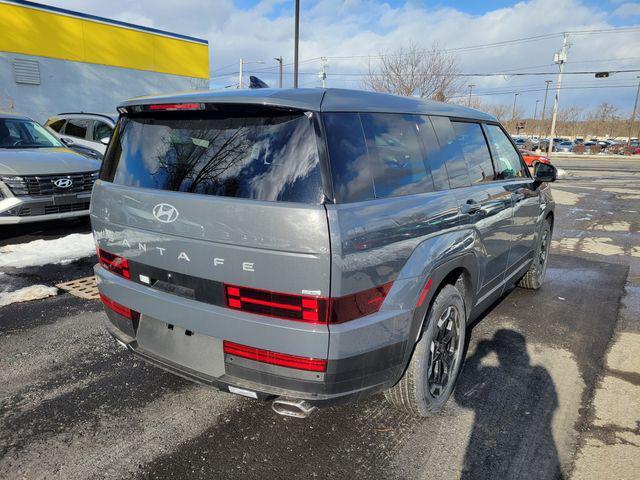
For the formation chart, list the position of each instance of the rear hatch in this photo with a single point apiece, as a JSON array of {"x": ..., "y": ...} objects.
[{"x": 211, "y": 197}]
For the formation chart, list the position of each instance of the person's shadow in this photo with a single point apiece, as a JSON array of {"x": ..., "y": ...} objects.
[{"x": 514, "y": 403}]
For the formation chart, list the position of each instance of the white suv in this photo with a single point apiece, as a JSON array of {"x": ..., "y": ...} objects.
[{"x": 84, "y": 130}]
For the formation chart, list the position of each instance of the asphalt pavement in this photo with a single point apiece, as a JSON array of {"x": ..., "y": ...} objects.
[{"x": 74, "y": 405}]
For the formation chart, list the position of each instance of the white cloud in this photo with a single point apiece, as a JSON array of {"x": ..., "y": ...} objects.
[
  {"x": 627, "y": 10},
  {"x": 365, "y": 27}
]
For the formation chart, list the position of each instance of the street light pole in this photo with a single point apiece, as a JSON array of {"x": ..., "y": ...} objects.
[
  {"x": 279, "y": 60},
  {"x": 323, "y": 73},
  {"x": 560, "y": 59},
  {"x": 295, "y": 46},
  {"x": 471, "y": 85},
  {"x": 513, "y": 112},
  {"x": 633, "y": 115},
  {"x": 240, "y": 74},
  {"x": 544, "y": 107}
]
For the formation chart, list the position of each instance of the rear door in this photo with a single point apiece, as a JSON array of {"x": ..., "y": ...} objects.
[
  {"x": 483, "y": 204},
  {"x": 231, "y": 195}
]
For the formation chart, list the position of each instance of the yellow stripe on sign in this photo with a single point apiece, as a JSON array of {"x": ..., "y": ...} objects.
[{"x": 47, "y": 34}]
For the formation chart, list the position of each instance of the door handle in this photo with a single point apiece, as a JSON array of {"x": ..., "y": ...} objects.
[{"x": 470, "y": 206}]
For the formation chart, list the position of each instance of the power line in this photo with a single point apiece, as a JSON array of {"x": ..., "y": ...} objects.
[
  {"x": 519, "y": 90},
  {"x": 486, "y": 74},
  {"x": 468, "y": 47}
]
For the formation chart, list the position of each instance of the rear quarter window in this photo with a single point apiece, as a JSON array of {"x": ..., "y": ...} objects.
[
  {"x": 270, "y": 157},
  {"x": 376, "y": 156}
]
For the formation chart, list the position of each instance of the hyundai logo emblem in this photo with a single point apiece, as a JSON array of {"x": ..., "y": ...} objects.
[
  {"x": 63, "y": 182},
  {"x": 165, "y": 213}
]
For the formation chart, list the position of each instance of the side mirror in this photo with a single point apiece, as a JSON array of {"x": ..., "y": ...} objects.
[
  {"x": 105, "y": 140},
  {"x": 67, "y": 141},
  {"x": 545, "y": 172}
]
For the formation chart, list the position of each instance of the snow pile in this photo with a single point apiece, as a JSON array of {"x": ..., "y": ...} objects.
[
  {"x": 42, "y": 252},
  {"x": 34, "y": 292},
  {"x": 562, "y": 173}
]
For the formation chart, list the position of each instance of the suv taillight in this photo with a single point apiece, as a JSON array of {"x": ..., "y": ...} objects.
[
  {"x": 274, "y": 304},
  {"x": 305, "y": 308},
  {"x": 274, "y": 358},
  {"x": 119, "y": 309},
  {"x": 114, "y": 263}
]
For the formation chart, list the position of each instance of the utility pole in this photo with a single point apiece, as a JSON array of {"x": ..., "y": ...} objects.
[
  {"x": 544, "y": 107},
  {"x": 322, "y": 74},
  {"x": 279, "y": 60},
  {"x": 295, "y": 45},
  {"x": 633, "y": 115},
  {"x": 560, "y": 58},
  {"x": 513, "y": 112},
  {"x": 471, "y": 85},
  {"x": 240, "y": 74}
]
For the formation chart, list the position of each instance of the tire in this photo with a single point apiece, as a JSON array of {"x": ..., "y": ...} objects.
[
  {"x": 534, "y": 277},
  {"x": 418, "y": 391}
]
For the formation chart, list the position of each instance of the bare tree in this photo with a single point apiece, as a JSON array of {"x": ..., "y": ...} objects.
[
  {"x": 568, "y": 121},
  {"x": 411, "y": 70}
]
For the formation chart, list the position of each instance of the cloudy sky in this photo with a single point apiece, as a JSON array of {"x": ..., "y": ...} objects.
[{"x": 351, "y": 33}]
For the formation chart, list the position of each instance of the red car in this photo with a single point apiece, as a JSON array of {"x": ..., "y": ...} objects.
[{"x": 531, "y": 158}]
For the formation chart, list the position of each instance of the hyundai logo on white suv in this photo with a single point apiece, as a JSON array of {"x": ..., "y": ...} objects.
[
  {"x": 63, "y": 182},
  {"x": 165, "y": 213}
]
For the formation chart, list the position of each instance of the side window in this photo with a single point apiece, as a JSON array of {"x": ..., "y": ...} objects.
[
  {"x": 101, "y": 130},
  {"x": 57, "y": 125},
  {"x": 76, "y": 128},
  {"x": 475, "y": 150},
  {"x": 350, "y": 173},
  {"x": 375, "y": 156},
  {"x": 435, "y": 158},
  {"x": 450, "y": 153},
  {"x": 507, "y": 160},
  {"x": 395, "y": 155}
]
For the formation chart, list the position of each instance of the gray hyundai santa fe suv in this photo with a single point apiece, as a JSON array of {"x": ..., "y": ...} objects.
[{"x": 310, "y": 246}]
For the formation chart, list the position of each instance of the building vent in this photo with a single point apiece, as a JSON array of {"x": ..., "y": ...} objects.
[{"x": 26, "y": 71}]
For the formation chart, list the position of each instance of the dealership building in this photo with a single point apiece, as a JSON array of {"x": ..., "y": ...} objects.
[{"x": 54, "y": 60}]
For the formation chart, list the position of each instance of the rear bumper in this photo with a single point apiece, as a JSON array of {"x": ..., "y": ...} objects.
[
  {"x": 348, "y": 376},
  {"x": 24, "y": 209}
]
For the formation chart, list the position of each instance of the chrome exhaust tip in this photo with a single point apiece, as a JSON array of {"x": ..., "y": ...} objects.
[{"x": 292, "y": 407}]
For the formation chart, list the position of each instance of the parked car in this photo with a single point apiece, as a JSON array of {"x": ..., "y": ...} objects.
[
  {"x": 84, "y": 132},
  {"x": 564, "y": 146},
  {"x": 531, "y": 158},
  {"x": 634, "y": 147},
  {"x": 313, "y": 245},
  {"x": 40, "y": 179},
  {"x": 523, "y": 143}
]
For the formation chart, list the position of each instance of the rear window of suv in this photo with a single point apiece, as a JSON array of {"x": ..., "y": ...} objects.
[{"x": 269, "y": 156}]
